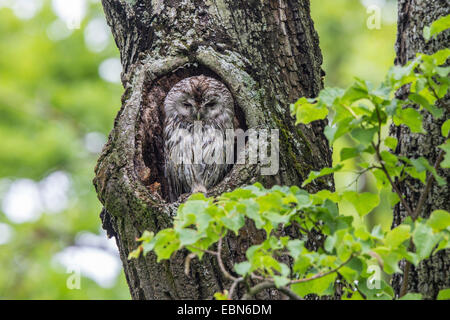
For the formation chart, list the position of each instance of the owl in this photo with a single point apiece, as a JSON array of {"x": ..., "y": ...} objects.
[{"x": 198, "y": 113}]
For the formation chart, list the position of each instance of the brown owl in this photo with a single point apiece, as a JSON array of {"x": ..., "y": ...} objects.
[{"x": 198, "y": 112}]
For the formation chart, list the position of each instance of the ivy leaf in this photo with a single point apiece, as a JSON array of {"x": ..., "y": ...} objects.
[
  {"x": 242, "y": 268},
  {"x": 444, "y": 294},
  {"x": 295, "y": 247},
  {"x": 329, "y": 95},
  {"x": 446, "y": 162},
  {"x": 441, "y": 56},
  {"x": 439, "y": 220},
  {"x": 338, "y": 129},
  {"x": 324, "y": 172},
  {"x": 320, "y": 286},
  {"x": 280, "y": 281},
  {"x": 410, "y": 117},
  {"x": 391, "y": 143},
  {"x": 382, "y": 291},
  {"x": 234, "y": 221},
  {"x": 188, "y": 236},
  {"x": 349, "y": 153},
  {"x": 363, "y": 202},
  {"x": 221, "y": 295},
  {"x": 135, "y": 254},
  {"x": 422, "y": 164},
  {"x": 436, "y": 27},
  {"x": 419, "y": 99},
  {"x": 445, "y": 128},
  {"x": 147, "y": 236},
  {"x": 165, "y": 244},
  {"x": 424, "y": 240},
  {"x": 307, "y": 112},
  {"x": 365, "y": 136},
  {"x": 390, "y": 259},
  {"x": 397, "y": 236}
]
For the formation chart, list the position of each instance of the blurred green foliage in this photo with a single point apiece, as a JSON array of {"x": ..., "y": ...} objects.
[
  {"x": 351, "y": 49},
  {"x": 52, "y": 98}
]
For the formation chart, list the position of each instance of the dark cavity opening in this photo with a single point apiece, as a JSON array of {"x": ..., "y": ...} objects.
[{"x": 149, "y": 158}]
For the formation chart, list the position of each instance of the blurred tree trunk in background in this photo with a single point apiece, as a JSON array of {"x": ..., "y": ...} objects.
[
  {"x": 433, "y": 274},
  {"x": 267, "y": 53}
]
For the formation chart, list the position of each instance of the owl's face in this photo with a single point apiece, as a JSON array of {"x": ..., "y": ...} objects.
[
  {"x": 207, "y": 108},
  {"x": 199, "y": 99}
]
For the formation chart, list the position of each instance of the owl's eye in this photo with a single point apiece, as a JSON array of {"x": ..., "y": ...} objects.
[
  {"x": 210, "y": 104},
  {"x": 187, "y": 105}
]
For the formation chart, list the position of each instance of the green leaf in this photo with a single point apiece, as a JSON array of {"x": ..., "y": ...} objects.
[
  {"x": 280, "y": 281},
  {"x": 444, "y": 294},
  {"x": 439, "y": 220},
  {"x": 421, "y": 100},
  {"x": 391, "y": 143},
  {"x": 422, "y": 164},
  {"x": 383, "y": 292},
  {"x": 325, "y": 171},
  {"x": 321, "y": 286},
  {"x": 445, "y": 128},
  {"x": 363, "y": 202},
  {"x": 295, "y": 247},
  {"x": 146, "y": 236},
  {"x": 188, "y": 236},
  {"x": 349, "y": 153},
  {"x": 365, "y": 136},
  {"x": 135, "y": 254},
  {"x": 329, "y": 95},
  {"x": 307, "y": 112},
  {"x": 234, "y": 221},
  {"x": 352, "y": 270},
  {"x": 242, "y": 268},
  {"x": 446, "y": 162},
  {"x": 424, "y": 240},
  {"x": 390, "y": 259},
  {"x": 441, "y": 56},
  {"x": 397, "y": 236},
  {"x": 412, "y": 171},
  {"x": 410, "y": 117},
  {"x": 166, "y": 243},
  {"x": 389, "y": 158},
  {"x": 337, "y": 130},
  {"x": 221, "y": 296},
  {"x": 436, "y": 27}
]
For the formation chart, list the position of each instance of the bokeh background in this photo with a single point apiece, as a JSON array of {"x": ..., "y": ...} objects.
[{"x": 59, "y": 93}]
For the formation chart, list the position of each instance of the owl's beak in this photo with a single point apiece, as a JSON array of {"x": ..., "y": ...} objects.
[{"x": 198, "y": 116}]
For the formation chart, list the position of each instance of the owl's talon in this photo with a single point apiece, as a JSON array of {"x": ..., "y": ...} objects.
[{"x": 199, "y": 189}]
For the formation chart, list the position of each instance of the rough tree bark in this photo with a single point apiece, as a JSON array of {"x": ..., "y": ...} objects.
[
  {"x": 268, "y": 55},
  {"x": 433, "y": 274}
]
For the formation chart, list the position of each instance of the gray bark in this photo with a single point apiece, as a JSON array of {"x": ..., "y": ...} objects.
[
  {"x": 431, "y": 275},
  {"x": 267, "y": 53}
]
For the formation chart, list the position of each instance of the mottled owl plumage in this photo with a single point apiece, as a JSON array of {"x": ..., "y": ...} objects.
[{"x": 193, "y": 101}]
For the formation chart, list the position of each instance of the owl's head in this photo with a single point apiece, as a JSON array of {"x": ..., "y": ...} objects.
[{"x": 199, "y": 98}]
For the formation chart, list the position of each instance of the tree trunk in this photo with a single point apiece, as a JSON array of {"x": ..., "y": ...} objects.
[
  {"x": 431, "y": 275},
  {"x": 267, "y": 53}
]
